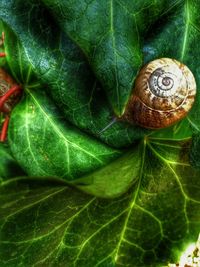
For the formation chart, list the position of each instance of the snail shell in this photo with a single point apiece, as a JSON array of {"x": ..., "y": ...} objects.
[{"x": 164, "y": 93}]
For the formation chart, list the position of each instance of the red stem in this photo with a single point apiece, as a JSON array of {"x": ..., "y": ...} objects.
[
  {"x": 4, "y": 129},
  {"x": 2, "y": 54},
  {"x": 3, "y": 37},
  {"x": 10, "y": 92}
]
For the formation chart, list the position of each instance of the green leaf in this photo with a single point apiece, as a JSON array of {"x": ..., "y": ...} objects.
[
  {"x": 17, "y": 63},
  {"x": 9, "y": 168},
  {"x": 114, "y": 179},
  {"x": 182, "y": 130},
  {"x": 111, "y": 35},
  {"x": 45, "y": 223},
  {"x": 44, "y": 144},
  {"x": 58, "y": 62},
  {"x": 195, "y": 151}
]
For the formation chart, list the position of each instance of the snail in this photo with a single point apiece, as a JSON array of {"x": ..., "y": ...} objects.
[{"x": 164, "y": 92}]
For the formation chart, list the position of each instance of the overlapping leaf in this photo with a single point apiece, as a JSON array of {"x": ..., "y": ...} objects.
[
  {"x": 9, "y": 168},
  {"x": 44, "y": 144},
  {"x": 45, "y": 223},
  {"x": 112, "y": 44},
  {"x": 59, "y": 63},
  {"x": 78, "y": 96}
]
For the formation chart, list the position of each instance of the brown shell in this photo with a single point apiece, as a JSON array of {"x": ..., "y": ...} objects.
[
  {"x": 164, "y": 93},
  {"x": 6, "y": 82}
]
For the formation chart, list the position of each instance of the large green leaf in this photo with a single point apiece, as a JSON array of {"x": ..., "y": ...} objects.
[
  {"x": 9, "y": 168},
  {"x": 16, "y": 62},
  {"x": 45, "y": 223},
  {"x": 195, "y": 151},
  {"x": 58, "y": 62},
  {"x": 111, "y": 35},
  {"x": 115, "y": 178},
  {"x": 44, "y": 144}
]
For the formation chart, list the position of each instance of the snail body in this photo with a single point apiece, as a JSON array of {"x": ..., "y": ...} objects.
[{"x": 164, "y": 93}]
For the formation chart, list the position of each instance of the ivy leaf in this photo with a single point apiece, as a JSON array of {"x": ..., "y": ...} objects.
[
  {"x": 44, "y": 144},
  {"x": 48, "y": 223},
  {"x": 195, "y": 151},
  {"x": 16, "y": 62},
  {"x": 112, "y": 44},
  {"x": 114, "y": 179},
  {"x": 9, "y": 168},
  {"x": 58, "y": 62}
]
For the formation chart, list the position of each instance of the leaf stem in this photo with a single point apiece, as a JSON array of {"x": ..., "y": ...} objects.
[
  {"x": 4, "y": 129},
  {"x": 2, "y": 54},
  {"x": 11, "y": 91}
]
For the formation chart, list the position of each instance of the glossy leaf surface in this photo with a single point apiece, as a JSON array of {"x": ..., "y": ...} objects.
[
  {"x": 60, "y": 64},
  {"x": 47, "y": 223},
  {"x": 44, "y": 144},
  {"x": 112, "y": 44},
  {"x": 9, "y": 168}
]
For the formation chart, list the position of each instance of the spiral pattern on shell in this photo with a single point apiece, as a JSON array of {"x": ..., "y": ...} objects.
[{"x": 164, "y": 93}]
